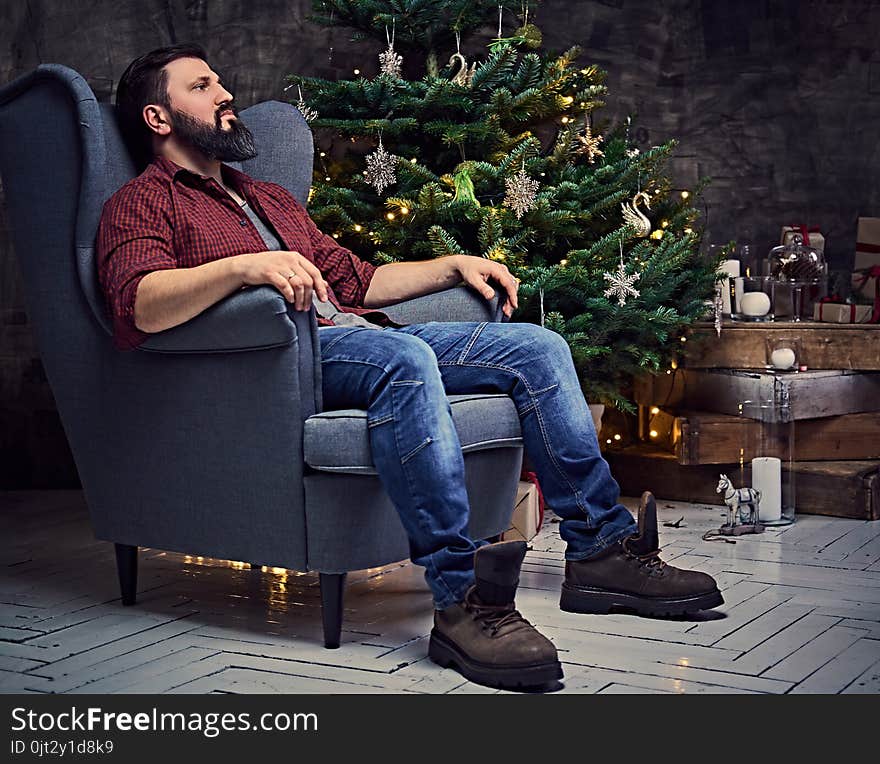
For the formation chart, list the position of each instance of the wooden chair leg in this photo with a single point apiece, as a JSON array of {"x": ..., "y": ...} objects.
[
  {"x": 332, "y": 591},
  {"x": 126, "y": 564}
]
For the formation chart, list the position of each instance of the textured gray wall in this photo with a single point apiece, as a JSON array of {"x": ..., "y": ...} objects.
[{"x": 775, "y": 100}]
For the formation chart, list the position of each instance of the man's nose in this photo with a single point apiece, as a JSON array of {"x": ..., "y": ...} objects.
[{"x": 223, "y": 96}]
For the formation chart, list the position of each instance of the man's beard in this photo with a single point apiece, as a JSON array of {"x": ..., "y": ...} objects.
[{"x": 233, "y": 145}]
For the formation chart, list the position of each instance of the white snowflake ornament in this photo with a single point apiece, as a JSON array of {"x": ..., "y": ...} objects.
[
  {"x": 521, "y": 192},
  {"x": 621, "y": 283},
  {"x": 380, "y": 172},
  {"x": 390, "y": 62}
]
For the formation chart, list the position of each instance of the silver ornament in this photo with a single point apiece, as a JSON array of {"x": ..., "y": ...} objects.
[
  {"x": 620, "y": 282},
  {"x": 390, "y": 62},
  {"x": 307, "y": 111},
  {"x": 634, "y": 217},
  {"x": 521, "y": 192},
  {"x": 380, "y": 172}
]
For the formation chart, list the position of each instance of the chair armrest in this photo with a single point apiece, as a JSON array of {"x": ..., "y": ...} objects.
[
  {"x": 461, "y": 303},
  {"x": 251, "y": 319}
]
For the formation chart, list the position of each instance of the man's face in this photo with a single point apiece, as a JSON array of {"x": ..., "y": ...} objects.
[{"x": 202, "y": 114}]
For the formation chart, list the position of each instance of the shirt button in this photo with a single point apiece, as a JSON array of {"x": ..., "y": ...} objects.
[{"x": 243, "y": 223}]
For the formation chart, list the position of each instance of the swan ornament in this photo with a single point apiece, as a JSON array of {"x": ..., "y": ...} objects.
[
  {"x": 636, "y": 218},
  {"x": 463, "y": 76}
]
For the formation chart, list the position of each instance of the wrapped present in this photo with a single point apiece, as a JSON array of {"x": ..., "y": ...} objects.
[
  {"x": 867, "y": 244},
  {"x": 842, "y": 313},
  {"x": 527, "y": 515},
  {"x": 866, "y": 284},
  {"x": 810, "y": 235}
]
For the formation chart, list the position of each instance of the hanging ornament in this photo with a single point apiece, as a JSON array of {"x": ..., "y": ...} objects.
[
  {"x": 632, "y": 216},
  {"x": 521, "y": 192},
  {"x": 529, "y": 34},
  {"x": 630, "y": 152},
  {"x": 463, "y": 76},
  {"x": 380, "y": 172},
  {"x": 308, "y": 113},
  {"x": 718, "y": 306},
  {"x": 389, "y": 61},
  {"x": 621, "y": 282},
  {"x": 590, "y": 144}
]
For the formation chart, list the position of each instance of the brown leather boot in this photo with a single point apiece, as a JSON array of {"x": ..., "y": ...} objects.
[
  {"x": 484, "y": 637},
  {"x": 630, "y": 575}
]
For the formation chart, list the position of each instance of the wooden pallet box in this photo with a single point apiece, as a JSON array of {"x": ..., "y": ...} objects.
[
  {"x": 809, "y": 394},
  {"x": 709, "y": 438},
  {"x": 821, "y": 345},
  {"x": 836, "y": 488}
]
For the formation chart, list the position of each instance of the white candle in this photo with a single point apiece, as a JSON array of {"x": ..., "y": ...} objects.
[
  {"x": 782, "y": 358},
  {"x": 731, "y": 268},
  {"x": 755, "y": 304},
  {"x": 767, "y": 478}
]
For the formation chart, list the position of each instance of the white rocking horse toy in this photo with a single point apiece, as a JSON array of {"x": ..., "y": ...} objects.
[{"x": 739, "y": 519}]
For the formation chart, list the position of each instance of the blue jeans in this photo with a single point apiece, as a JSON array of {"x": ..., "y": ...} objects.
[{"x": 401, "y": 376}]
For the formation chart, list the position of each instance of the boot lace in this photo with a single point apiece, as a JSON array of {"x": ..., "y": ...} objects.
[
  {"x": 493, "y": 617},
  {"x": 651, "y": 560}
]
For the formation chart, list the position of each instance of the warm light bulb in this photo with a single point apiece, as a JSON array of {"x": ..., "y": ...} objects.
[
  {"x": 327, "y": 178},
  {"x": 657, "y": 235},
  {"x": 390, "y": 216},
  {"x": 564, "y": 120},
  {"x": 665, "y": 224},
  {"x": 617, "y": 437},
  {"x": 685, "y": 194},
  {"x": 688, "y": 230},
  {"x": 323, "y": 154},
  {"x": 335, "y": 235},
  {"x": 413, "y": 160},
  {"x": 653, "y": 433},
  {"x": 568, "y": 100},
  {"x": 684, "y": 339},
  {"x": 404, "y": 210},
  {"x": 655, "y": 410},
  {"x": 563, "y": 262},
  {"x": 357, "y": 71},
  {"x": 608, "y": 441},
  {"x": 358, "y": 227}
]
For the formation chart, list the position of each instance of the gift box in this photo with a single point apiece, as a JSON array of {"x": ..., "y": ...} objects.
[
  {"x": 526, "y": 519},
  {"x": 810, "y": 235},
  {"x": 842, "y": 313},
  {"x": 867, "y": 244}
]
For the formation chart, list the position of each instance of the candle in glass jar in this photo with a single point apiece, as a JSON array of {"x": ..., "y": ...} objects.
[
  {"x": 767, "y": 478},
  {"x": 731, "y": 268},
  {"x": 755, "y": 304}
]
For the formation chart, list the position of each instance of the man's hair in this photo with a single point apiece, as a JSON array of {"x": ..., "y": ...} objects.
[{"x": 146, "y": 81}]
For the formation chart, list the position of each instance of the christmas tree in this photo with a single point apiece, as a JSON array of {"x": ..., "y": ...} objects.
[{"x": 500, "y": 158}]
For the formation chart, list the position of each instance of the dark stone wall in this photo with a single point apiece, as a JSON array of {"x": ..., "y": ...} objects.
[{"x": 775, "y": 100}]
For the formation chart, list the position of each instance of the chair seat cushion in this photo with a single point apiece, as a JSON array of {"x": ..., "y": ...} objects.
[{"x": 337, "y": 441}]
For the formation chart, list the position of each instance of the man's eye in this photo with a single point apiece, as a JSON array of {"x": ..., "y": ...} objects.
[{"x": 201, "y": 86}]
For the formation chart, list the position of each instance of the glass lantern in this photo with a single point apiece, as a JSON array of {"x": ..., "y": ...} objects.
[
  {"x": 798, "y": 277},
  {"x": 767, "y": 459}
]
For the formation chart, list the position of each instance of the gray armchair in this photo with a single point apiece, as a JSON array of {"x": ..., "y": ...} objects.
[{"x": 210, "y": 439}]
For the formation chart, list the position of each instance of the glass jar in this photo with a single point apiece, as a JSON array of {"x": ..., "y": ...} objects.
[
  {"x": 767, "y": 459},
  {"x": 799, "y": 278}
]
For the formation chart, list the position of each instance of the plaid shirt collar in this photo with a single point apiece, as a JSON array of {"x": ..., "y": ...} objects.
[{"x": 239, "y": 182}]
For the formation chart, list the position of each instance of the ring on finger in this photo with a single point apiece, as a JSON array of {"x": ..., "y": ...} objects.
[{"x": 291, "y": 276}]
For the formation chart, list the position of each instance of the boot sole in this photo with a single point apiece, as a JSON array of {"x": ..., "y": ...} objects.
[
  {"x": 446, "y": 654},
  {"x": 581, "y": 599}
]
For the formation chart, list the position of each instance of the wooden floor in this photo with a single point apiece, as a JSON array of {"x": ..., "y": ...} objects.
[{"x": 801, "y": 615}]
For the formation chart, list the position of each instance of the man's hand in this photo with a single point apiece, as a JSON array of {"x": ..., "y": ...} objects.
[
  {"x": 289, "y": 272},
  {"x": 476, "y": 272}
]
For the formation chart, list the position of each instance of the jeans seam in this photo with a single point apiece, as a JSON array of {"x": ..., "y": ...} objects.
[
  {"x": 467, "y": 349},
  {"x": 426, "y": 442},
  {"x": 337, "y": 339}
]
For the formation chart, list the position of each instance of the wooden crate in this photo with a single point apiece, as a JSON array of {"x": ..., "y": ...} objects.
[
  {"x": 836, "y": 488},
  {"x": 809, "y": 394},
  {"x": 708, "y": 438},
  {"x": 854, "y": 347}
]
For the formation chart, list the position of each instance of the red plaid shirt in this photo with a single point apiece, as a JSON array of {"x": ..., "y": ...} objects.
[{"x": 169, "y": 217}]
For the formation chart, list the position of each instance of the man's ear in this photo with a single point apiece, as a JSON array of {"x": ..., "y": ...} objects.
[{"x": 157, "y": 119}]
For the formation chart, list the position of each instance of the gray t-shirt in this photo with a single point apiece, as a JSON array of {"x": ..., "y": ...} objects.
[{"x": 325, "y": 309}]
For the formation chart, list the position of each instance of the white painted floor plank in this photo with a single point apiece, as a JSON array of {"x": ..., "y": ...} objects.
[{"x": 841, "y": 670}]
